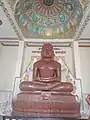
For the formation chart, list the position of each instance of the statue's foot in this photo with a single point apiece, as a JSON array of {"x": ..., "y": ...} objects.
[
  {"x": 33, "y": 86},
  {"x": 62, "y": 87}
]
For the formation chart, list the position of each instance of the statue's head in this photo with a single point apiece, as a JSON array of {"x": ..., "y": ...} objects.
[{"x": 47, "y": 51}]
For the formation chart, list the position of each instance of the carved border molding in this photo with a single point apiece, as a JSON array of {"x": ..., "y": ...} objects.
[
  {"x": 5, "y": 10},
  {"x": 78, "y": 35},
  {"x": 84, "y": 22}
]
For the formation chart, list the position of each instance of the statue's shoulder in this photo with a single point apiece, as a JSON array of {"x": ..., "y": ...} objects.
[
  {"x": 37, "y": 63},
  {"x": 57, "y": 63}
]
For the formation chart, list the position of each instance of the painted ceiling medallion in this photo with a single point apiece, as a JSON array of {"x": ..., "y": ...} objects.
[
  {"x": 49, "y": 7},
  {"x": 48, "y": 18},
  {"x": 48, "y": 2}
]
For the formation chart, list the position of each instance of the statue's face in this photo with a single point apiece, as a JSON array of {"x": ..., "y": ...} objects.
[{"x": 47, "y": 51}]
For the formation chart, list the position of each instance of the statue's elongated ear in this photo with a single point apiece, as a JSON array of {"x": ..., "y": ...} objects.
[
  {"x": 41, "y": 53},
  {"x": 53, "y": 53}
]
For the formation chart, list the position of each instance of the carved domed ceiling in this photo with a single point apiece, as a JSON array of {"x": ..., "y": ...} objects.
[{"x": 48, "y": 18}]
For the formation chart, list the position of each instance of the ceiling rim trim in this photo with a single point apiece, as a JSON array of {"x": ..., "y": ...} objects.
[
  {"x": 85, "y": 20},
  {"x": 12, "y": 23}
]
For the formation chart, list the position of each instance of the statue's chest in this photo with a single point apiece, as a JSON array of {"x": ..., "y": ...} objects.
[
  {"x": 47, "y": 69},
  {"x": 47, "y": 66}
]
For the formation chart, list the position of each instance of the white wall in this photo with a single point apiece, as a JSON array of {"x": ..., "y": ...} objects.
[
  {"x": 85, "y": 68},
  {"x": 8, "y": 56}
]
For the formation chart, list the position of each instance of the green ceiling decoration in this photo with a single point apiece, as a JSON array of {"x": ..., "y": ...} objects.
[{"x": 48, "y": 18}]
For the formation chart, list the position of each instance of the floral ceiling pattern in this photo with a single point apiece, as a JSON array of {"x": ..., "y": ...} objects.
[{"x": 48, "y": 18}]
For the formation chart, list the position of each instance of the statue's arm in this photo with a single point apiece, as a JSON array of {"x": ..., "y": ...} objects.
[
  {"x": 58, "y": 72},
  {"x": 35, "y": 72}
]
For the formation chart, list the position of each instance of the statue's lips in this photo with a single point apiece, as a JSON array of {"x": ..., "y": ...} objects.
[{"x": 47, "y": 55}]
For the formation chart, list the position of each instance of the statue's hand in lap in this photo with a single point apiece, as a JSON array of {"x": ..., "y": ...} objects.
[{"x": 49, "y": 79}]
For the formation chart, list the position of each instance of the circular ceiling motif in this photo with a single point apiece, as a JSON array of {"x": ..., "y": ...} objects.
[
  {"x": 48, "y": 2},
  {"x": 48, "y": 18},
  {"x": 49, "y": 7}
]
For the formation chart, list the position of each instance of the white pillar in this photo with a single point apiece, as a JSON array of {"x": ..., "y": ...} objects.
[
  {"x": 19, "y": 59},
  {"x": 77, "y": 71},
  {"x": 76, "y": 58},
  {"x": 18, "y": 69}
]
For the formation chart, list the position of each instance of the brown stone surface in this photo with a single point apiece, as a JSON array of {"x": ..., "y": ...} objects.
[{"x": 50, "y": 104}]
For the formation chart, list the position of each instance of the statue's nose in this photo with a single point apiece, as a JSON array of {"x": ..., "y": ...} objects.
[{"x": 47, "y": 49}]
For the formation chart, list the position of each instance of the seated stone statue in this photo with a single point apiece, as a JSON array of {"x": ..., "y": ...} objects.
[
  {"x": 46, "y": 74},
  {"x": 46, "y": 95}
]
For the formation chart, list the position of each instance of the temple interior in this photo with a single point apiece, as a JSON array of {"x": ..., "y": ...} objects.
[{"x": 25, "y": 26}]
